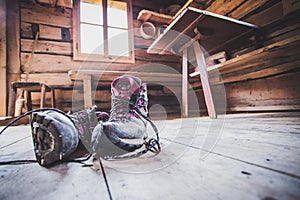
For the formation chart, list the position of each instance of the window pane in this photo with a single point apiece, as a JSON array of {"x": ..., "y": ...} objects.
[
  {"x": 91, "y": 13},
  {"x": 91, "y": 39},
  {"x": 117, "y": 14},
  {"x": 118, "y": 44}
]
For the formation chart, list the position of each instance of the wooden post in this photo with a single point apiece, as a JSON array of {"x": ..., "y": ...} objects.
[
  {"x": 52, "y": 97},
  {"x": 204, "y": 80},
  {"x": 185, "y": 83},
  {"x": 3, "y": 78},
  {"x": 13, "y": 43},
  {"x": 43, "y": 95},
  {"x": 87, "y": 91}
]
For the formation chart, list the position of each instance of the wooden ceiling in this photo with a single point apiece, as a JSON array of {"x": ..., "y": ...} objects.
[{"x": 157, "y": 4}]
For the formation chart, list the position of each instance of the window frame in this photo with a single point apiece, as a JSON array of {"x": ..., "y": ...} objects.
[{"x": 77, "y": 55}]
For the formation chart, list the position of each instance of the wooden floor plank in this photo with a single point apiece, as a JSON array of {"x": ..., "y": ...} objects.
[
  {"x": 31, "y": 181},
  {"x": 190, "y": 177},
  {"x": 244, "y": 157},
  {"x": 271, "y": 144},
  {"x": 236, "y": 168}
]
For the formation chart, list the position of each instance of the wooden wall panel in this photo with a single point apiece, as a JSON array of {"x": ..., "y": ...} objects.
[
  {"x": 274, "y": 93},
  {"x": 3, "y": 77},
  {"x": 45, "y": 63},
  {"x": 38, "y": 14},
  {"x": 53, "y": 56},
  {"x": 13, "y": 37},
  {"x": 277, "y": 58},
  {"x": 47, "y": 47},
  {"x": 50, "y": 32}
]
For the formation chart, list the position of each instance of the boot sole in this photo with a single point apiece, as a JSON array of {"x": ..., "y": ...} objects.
[{"x": 47, "y": 140}]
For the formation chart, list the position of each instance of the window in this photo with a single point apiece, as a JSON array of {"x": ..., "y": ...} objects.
[{"x": 102, "y": 31}]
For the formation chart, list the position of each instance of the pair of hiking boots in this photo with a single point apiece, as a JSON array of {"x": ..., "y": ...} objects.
[{"x": 57, "y": 135}]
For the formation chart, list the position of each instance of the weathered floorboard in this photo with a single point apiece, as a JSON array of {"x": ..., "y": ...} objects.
[{"x": 245, "y": 156}]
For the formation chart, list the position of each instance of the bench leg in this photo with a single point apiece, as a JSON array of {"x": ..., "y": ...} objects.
[
  {"x": 43, "y": 95},
  {"x": 52, "y": 98},
  {"x": 28, "y": 101},
  {"x": 11, "y": 101},
  {"x": 205, "y": 80}
]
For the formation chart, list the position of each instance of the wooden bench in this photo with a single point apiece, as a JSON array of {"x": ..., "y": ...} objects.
[
  {"x": 29, "y": 87},
  {"x": 106, "y": 76}
]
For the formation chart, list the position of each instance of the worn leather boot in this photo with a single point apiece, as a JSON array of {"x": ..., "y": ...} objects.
[
  {"x": 125, "y": 131},
  {"x": 57, "y": 135}
]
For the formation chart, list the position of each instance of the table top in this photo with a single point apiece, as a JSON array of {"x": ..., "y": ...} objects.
[{"x": 216, "y": 31}]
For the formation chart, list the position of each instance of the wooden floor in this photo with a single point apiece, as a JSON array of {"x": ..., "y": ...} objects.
[{"x": 244, "y": 156}]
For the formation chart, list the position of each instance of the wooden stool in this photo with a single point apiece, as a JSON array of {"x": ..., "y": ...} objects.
[{"x": 29, "y": 87}]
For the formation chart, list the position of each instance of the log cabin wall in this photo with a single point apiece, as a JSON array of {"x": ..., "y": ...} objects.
[
  {"x": 270, "y": 83},
  {"x": 53, "y": 59},
  {"x": 261, "y": 75}
]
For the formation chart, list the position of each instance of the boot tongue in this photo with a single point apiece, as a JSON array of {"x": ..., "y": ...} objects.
[{"x": 125, "y": 87}]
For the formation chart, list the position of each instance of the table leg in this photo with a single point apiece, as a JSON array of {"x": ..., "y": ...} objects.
[
  {"x": 185, "y": 83},
  {"x": 204, "y": 80},
  {"x": 87, "y": 91}
]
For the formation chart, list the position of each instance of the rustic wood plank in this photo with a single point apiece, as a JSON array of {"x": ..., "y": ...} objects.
[
  {"x": 246, "y": 7},
  {"x": 3, "y": 78},
  {"x": 290, "y": 6},
  {"x": 62, "y": 3},
  {"x": 283, "y": 32},
  {"x": 259, "y": 63},
  {"x": 263, "y": 108},
  {"x": 279, "y": 91},
  {"x": 142, "y": 54},
  {"x": 38, "y": 14},
  {"x": 108, "y": 76},
  {"x": 13, "y": 45},
  {"x": 50, "y": 32},
  {"x": 224, "y": 7},
  {"x": 269, "y": 15},
  {"x": 13, "y": 33},
  {"x": 48, "y": 47},
  {"x": 45, "y": 32},
  {"x": 60, "y": 63},
  {"x": 147, "y": 15},
  {"x": 274, "y": 70},
  {"x": 51, "y": 79}
]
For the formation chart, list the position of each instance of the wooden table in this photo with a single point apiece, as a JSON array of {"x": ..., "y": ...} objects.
[{"x": 214, "y": 32}]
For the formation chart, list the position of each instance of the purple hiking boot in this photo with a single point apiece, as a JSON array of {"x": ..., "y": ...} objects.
[{"x": 125, "y": 131}]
